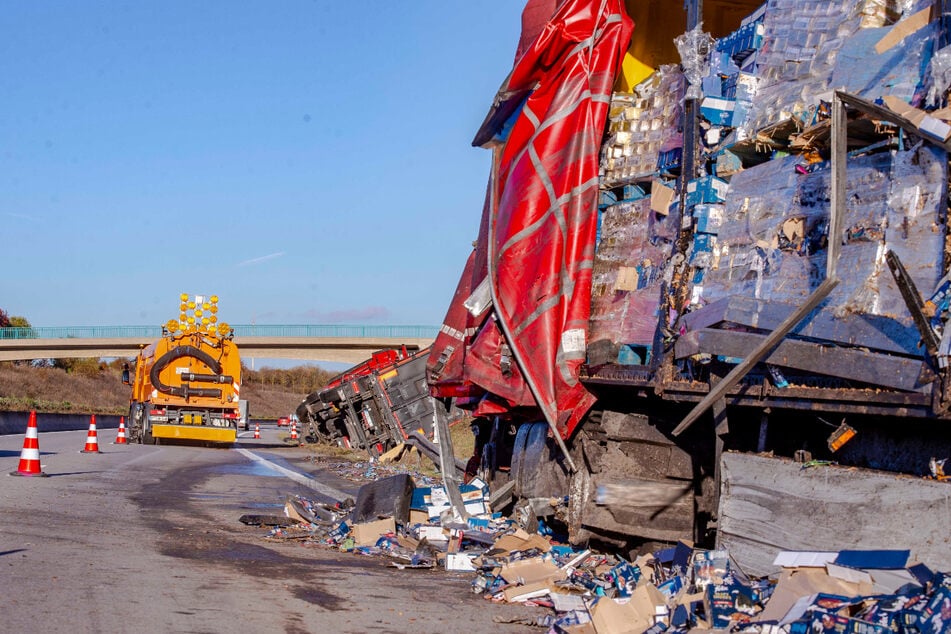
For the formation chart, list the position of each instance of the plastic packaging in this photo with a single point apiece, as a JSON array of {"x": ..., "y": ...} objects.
[
  {"x": 694, "y": 47},
  {"x": 939, "y": 76}
]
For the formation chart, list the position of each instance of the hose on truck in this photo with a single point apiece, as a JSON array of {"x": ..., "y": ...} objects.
[{"x": 185, "y": 390}]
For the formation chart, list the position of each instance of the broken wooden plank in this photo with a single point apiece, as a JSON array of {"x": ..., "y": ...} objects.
[{"x": 772, "y": 504}]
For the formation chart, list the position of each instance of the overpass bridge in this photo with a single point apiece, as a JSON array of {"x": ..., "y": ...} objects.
[{"x": 329, "y": 343}]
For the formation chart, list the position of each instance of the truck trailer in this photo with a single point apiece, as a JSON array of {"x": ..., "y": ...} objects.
[
  {"x": 373, "y": 406},
  {"x": 186, "y": 385},
  {"x": 714, "y": 242}
]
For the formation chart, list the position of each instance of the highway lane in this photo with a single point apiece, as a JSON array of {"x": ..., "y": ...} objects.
[{"x": 147, "y": 538}]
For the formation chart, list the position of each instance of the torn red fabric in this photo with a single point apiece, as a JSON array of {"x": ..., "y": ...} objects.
[{"x": 539, "y": 230}]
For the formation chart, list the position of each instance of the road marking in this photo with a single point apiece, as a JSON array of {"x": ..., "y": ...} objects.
[{"x": 300, "y": 478}]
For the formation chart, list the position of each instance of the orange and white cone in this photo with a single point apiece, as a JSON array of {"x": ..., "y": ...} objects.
[
  {"x": 30, "y": 455},
  {"x": 120, "y": 437},
  {"x": 293, "y": 430},
  {"x": 257, "y": 430},
  {"x": 92, "y": 439}
]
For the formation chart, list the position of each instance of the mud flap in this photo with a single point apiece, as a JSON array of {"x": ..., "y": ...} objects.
[
  {"x": 632, "y": 480},
  {"x": 389, "y": 497}
]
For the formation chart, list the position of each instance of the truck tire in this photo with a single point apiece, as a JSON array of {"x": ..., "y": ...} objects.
[{"x": 148, "y": 438}]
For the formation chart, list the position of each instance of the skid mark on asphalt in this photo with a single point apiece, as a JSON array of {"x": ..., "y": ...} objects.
[{"x": 300, "y": 478}]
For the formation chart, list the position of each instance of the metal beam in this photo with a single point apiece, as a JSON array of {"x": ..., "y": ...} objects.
[
  {"x": 853, "y": 364},
  {"x": 836, "y": 214}
]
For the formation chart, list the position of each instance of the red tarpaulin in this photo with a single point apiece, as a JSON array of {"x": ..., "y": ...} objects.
[{"x": 536, "y": 243}]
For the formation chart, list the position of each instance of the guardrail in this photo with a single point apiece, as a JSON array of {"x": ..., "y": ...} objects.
[{"x": 154, "y": 332}]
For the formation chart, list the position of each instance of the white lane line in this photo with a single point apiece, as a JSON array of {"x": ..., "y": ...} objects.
[{"x": 300, "y": 478}]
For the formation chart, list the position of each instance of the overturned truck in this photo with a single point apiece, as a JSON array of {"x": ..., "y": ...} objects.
[
  {"x": 374, "y": 405},
  {"x": 708, "y": 235}
]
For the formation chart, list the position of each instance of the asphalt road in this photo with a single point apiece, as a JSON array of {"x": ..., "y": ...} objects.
[{"x": 147, "y": 539}]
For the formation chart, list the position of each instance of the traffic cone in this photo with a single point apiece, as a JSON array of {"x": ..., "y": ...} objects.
[
  {"x": 92, "y": 439},
  {"x": 30, "y": 455},
  {"x": 120, "y": 437},
  {"x": 293, "y": 430},
  {"x": 257, "y": 430}
]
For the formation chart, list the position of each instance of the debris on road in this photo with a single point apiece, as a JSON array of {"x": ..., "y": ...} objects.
[{"x": 677, "y": 589}]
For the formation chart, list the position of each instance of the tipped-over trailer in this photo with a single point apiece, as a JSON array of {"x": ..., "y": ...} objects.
[{"x": 373, "y": 406}]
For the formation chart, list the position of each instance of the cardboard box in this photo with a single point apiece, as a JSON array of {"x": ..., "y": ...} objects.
[
  {"x": 631, "y": 617},
  {"x": 527, "y": 571},
  {"x": 528, "y": 591},
  {"x": 728, "y": 602},
  {"x": 708, "y": 189},
  {"x": 717, "y": 111},
  {"x": 418, "y": 517},
  {"x": 708, "y": 217},
  {"x": 368, "y": 533},
  {"x": 520, "y": 540},
  {"x": 433, "y": 534},
  {"x": 459, "y": 562},
  {"x": 661, "y": 197}
]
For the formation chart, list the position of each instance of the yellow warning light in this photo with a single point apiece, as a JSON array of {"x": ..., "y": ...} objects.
[
  {"x": 223, "y": 329},
  {"x": 205, "y": 321},
  {"x": 172, "y": 325},
  {"x": 213, "y": 319},
  {"x": 197, "y": 312},
  {"x": 213, "y": 309},
  {"x": 183, "y": 307},
  {"x": 182, "y": 316},
  {"x": 184, "y": 297},
  {"x": 214, "y": 299},
  {"x": 191, "y": 305},
  {"x": 190, "y": 320},
  {"x": 206, "y": 306}
]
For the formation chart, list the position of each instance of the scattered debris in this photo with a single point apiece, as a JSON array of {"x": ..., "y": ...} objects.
[{"x": 675, "y": 590}]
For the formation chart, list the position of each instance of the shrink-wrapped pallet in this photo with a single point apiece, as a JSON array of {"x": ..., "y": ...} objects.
[{"x": 628, "y": 271}]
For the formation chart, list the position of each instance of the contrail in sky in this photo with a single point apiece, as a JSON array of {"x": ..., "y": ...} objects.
[
  {"x": 263, "y": 258},
  {"x": 23, "y": 216}
]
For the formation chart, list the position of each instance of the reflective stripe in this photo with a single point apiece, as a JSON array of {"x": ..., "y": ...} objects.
[{"x": 452, "y": 332}]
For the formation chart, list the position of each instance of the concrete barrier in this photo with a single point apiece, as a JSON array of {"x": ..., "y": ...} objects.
[{"x": 15, "y": 422}]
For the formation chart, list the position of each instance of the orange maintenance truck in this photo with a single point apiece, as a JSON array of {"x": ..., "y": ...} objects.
[{"x": 187, "y": 384}]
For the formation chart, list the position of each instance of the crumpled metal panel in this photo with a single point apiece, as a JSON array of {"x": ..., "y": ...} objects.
[{"x": 542, "y": 213}]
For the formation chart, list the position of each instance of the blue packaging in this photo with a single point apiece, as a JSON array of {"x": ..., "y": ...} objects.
[
  {"x": 339, "y": 533},
  {"x": 708, "y": 189},
  {"x": 708, "y": 217},
  {"x": 625, "y": 577}
]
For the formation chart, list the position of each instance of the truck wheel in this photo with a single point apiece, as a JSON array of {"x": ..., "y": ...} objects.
[{"x": 537, "y": 465}]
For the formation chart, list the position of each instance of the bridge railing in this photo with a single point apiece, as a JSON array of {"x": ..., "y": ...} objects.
[{"x": 148, "y": 333}]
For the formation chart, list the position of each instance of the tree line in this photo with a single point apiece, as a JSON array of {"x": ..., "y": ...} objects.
[{"x": 302, "y": 379}]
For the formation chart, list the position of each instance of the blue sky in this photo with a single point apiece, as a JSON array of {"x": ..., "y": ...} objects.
[{"x": 307, "y": 161}]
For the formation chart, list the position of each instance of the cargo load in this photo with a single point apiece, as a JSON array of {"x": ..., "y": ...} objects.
[{"x": 744, "y": 250}]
